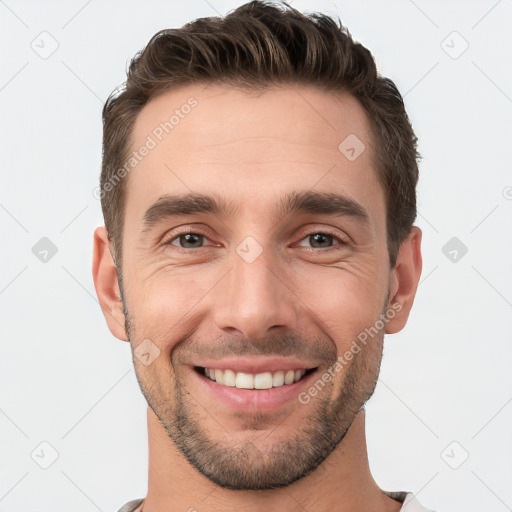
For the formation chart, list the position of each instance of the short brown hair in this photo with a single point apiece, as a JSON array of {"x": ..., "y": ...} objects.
[{"x": 258, "y": 45}]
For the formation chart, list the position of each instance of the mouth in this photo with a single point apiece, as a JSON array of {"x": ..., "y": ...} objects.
[
  {"x": 265, "y": 391},
  {"x": 255, "y": 381}
]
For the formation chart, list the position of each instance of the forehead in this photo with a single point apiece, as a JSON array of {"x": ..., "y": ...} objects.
[
  {"x": 249, "y": 146},
  {"x": 209, "y": 115}
]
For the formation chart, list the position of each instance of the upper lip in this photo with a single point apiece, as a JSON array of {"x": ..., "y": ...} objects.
[{"x": 256, "y": 364}]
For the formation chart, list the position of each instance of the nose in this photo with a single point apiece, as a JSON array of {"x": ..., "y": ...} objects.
[{"x": 254, "y": 298}]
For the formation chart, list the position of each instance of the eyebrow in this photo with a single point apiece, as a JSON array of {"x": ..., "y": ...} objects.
[{"x": 326, "y": 203}]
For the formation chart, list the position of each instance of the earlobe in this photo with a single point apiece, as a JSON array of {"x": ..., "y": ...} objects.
[
  {"x": 404, "y": 281},
  {"x": 106, "y": 283}
]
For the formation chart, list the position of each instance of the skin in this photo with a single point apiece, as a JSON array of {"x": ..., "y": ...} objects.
[{"x": 297, "y": 298}]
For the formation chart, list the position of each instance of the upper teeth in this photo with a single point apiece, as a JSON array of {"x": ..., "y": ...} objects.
[{"x": 265, "y": 380}]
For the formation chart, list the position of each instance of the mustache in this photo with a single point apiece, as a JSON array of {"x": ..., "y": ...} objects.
[{"x": 318, "y": 349}]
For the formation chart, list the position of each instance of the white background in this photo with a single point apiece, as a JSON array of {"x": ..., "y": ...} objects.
[{"x": 66, "y": 381}]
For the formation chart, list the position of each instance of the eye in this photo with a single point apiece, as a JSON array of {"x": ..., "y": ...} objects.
[
  {"x": 315, "y": 240},
  {"x": 322, "y": 240},
  {"x": 188, "y": 240}
]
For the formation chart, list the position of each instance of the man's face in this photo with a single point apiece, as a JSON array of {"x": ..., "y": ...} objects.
[{"x": 257, "y": 288}]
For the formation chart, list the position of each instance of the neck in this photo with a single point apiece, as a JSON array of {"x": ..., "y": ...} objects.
[{"x": 343, "y": 481}]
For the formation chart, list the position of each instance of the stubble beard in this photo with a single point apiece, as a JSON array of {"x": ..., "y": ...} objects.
[{"x": 245, "y": 463}]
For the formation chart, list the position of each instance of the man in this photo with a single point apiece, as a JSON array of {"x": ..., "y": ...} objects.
[{"x": 259, "y": 192}]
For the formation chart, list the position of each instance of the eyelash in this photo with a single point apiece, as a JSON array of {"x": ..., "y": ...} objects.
[{"x": 341, "y": 241}]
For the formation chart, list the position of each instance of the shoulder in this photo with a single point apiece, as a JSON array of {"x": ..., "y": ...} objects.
[
  {"x": 131, "y": 506},
  {"x": 408, "y": 501},
  {"x": 411, "y": 504}
]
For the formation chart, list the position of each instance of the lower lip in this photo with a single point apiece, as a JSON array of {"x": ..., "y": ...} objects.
[{"x": 254, "y": 399}]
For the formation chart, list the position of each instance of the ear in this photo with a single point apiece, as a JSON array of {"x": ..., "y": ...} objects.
[
  {"x": 104, "y": 273},
  {"x": 404, "y": 280}
]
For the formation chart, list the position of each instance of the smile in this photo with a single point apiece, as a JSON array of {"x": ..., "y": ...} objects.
[{"x": 264, "y": 380}]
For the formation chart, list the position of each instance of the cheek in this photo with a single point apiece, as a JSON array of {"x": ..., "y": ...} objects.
[
  {"x": 342, "y": 300},
  {"x": 165, "y": 303}
]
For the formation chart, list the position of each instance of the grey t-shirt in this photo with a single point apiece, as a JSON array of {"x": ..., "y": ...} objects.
[{"x": 409, "y": 503}]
